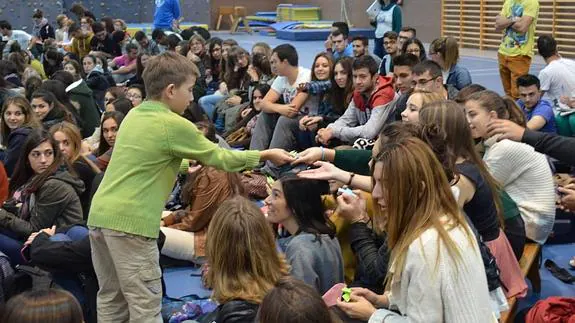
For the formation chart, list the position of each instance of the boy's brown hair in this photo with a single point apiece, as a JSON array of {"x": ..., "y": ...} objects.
[{"x": 165, "y": 69}]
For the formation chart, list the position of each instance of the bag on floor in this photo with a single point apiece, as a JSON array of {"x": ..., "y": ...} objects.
[{"x": 6, "y": 272}]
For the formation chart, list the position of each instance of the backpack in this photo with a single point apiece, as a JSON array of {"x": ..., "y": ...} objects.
[{"x": 24, "y": 278}]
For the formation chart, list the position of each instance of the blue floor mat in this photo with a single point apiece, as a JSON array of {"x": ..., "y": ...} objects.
[
  {"x": 184, "y": 281},
  {"x": 551, "y": 286}
]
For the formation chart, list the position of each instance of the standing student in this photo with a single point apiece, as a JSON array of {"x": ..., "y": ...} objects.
[
  {"x": 517, "y": 20},
  {"x": 523, "y": 173},
  {"x": 435, "y": 271},
  {"x": 445, "y": 52},
  {"x": 312, "y": 250},
  {"x": 18, "y": 120},
  {"x": 388, "y": 19},
  {"x": 167, "y": 12},
  {"x": 141, "y": 176}
]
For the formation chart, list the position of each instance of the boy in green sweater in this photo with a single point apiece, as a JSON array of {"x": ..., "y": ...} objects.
[{"x": 125, "y": 214}]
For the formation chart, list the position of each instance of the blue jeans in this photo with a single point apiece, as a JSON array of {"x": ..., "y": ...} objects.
[
  {"x": 11, "y": 246},
  {"x": 69, "y": 281},
  {"x": 208, "y": 103}
]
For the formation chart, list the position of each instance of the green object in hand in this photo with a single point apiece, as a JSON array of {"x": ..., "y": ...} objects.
[{"x": 346, "y": 294}]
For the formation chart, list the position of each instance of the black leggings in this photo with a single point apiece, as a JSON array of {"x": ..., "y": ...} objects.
[{"x": 515, "y": 232}]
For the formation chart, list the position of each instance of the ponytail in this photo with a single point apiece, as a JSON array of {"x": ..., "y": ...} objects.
[
  {"x": 448, "y": 48},
  {"x": 514, "y": 112}
]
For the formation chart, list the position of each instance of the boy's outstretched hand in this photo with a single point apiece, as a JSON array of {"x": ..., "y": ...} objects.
[{"x": 277, "y": 156}]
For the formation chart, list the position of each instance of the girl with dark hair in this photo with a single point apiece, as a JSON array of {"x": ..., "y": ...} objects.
[
  {"x": 48, "y": 110},
  {"x": 141, "y": 62},
  {"x": 96, "y": 78},
  {"x": 69, "y": 140},
  {"x": 32, "y": 85},
  {"x": 43, "y": 306},
  {"x": 414, "y": 47},
  {"x": 312, "y": 250},
  {"x": 73, "y": 67},
  {"x": 78, "y": 114},
  {"x": 52, "y": 62},
  {"x": 17, "y": 121},
  {"x": 47, "y": 191},
  {"x": 293, "y": 301},
  {"x": 108, "y": 24},
  {"x": 213, "y": 63},
  {"x": 523, "y": 173},
  {"x": 111, "y": 122},
  {"x": 122, "y": 104}
]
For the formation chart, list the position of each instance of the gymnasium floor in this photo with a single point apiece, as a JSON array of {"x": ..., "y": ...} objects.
[{"x": 484, "y": 70}]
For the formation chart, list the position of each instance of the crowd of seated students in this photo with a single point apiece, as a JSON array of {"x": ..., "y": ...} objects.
[{"x": 443, "y": 169}]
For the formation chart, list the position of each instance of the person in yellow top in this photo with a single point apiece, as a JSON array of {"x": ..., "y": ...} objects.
[
  {"x": 517, "y": 19},
  {"x": 81, "y": 40}
]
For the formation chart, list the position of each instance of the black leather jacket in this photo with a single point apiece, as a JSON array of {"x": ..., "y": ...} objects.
[{"x": 236, "y": 311}]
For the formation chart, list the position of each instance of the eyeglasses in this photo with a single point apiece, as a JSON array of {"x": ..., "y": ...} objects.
[
  {"x": 389, "y": 42},
  {"x": 423, "y": 82}
]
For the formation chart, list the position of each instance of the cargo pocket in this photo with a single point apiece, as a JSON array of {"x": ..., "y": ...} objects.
[{"x": 152, "y": 279}]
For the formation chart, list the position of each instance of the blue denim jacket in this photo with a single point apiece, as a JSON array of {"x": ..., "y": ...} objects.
[{"x": 459, "y": 77}]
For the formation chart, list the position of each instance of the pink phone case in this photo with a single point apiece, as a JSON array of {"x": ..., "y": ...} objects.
[{"x": 333, "y": 294}]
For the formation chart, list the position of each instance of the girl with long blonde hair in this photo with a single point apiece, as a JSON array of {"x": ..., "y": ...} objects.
[
  {"x": 244, "y": 264},
  {"x": 435, "y": 271}
]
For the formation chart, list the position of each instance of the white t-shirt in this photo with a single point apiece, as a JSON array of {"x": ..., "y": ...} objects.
[
  {"x": 558, "y": 79},
  {"x": 289, "y": 91}
]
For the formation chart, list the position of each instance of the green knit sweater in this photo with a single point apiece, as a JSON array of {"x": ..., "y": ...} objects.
[{"x": 149, "y": 149}]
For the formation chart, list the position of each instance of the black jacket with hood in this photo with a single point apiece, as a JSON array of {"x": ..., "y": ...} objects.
[
  {"x": 99, "y": 83},
  {"x": 56, "y": 202},
  {"x": 16, "y": 140},
  {"x": 82, "y": 96}
]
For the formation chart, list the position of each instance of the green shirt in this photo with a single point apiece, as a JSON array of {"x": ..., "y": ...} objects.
[
  {"x": 515, "y": 43},
  {"x": 149, "y": 149}
]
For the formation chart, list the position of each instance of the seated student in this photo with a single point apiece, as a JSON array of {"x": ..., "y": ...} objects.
[
  {"x": 136, "y": 94},
  {"x": 81, "y": 40},
  {"x": 43, "y": 305},
  {"x": 22, "y": 38},
  {"x": 59, "y": 90},
  {"x": 240, "y": 135},
  {"x": 427, "y": 76},
  {"x": 47, "y": 191},
  {"x": 74, "y": 69},
  {"x": 285, "y": 63},
  {"x": 363, "y": 118},
  {"x": 17, "y": 121},
  {"x": 69, "y": 140},
  {"x": 337, "y": 94},
  {"x": 111, "y": 122},
  {"x": 96, "y": 78},
  {"x": 392, "y": 50},
  {"x": 124, "y": 67},
  {"x": 147, "y": 46},
  {"x": 403, "y": 77},
  {"x": 360, "y": 45},
  {"x": 417, "y": 100},
  {"x": 436, "y": 272},
  {"x": 48, "y": 110},
  {"x": 337, "y": 42},
  {"x": 538, "y": 112},
  {"x": 445, "y": 52},
  {"x": 406, "y": 33},
  {"x": 122, "y": 104},
  {"x": 414, "y": 47},
  {"x": 141, "y": 62},
  {"x": 293, "y": 301},
  {"x": 295, "y": 134},
  {"x": 312, "y": 251},
  {"x": 236, "y": 80},
  {"x": 523, "y": 173},
  {"x": 205, "y": 189},
  {"x": 102, "y": 43},
  {"x": 244, "y": 264}
]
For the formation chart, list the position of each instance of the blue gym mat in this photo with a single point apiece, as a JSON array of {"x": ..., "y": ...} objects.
[
  {"x": 184, "y": 281},
  {"x": 319, "y": 34}
]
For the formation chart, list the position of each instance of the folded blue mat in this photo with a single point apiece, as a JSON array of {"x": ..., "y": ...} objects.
[{"x": 184, "y": 281}]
